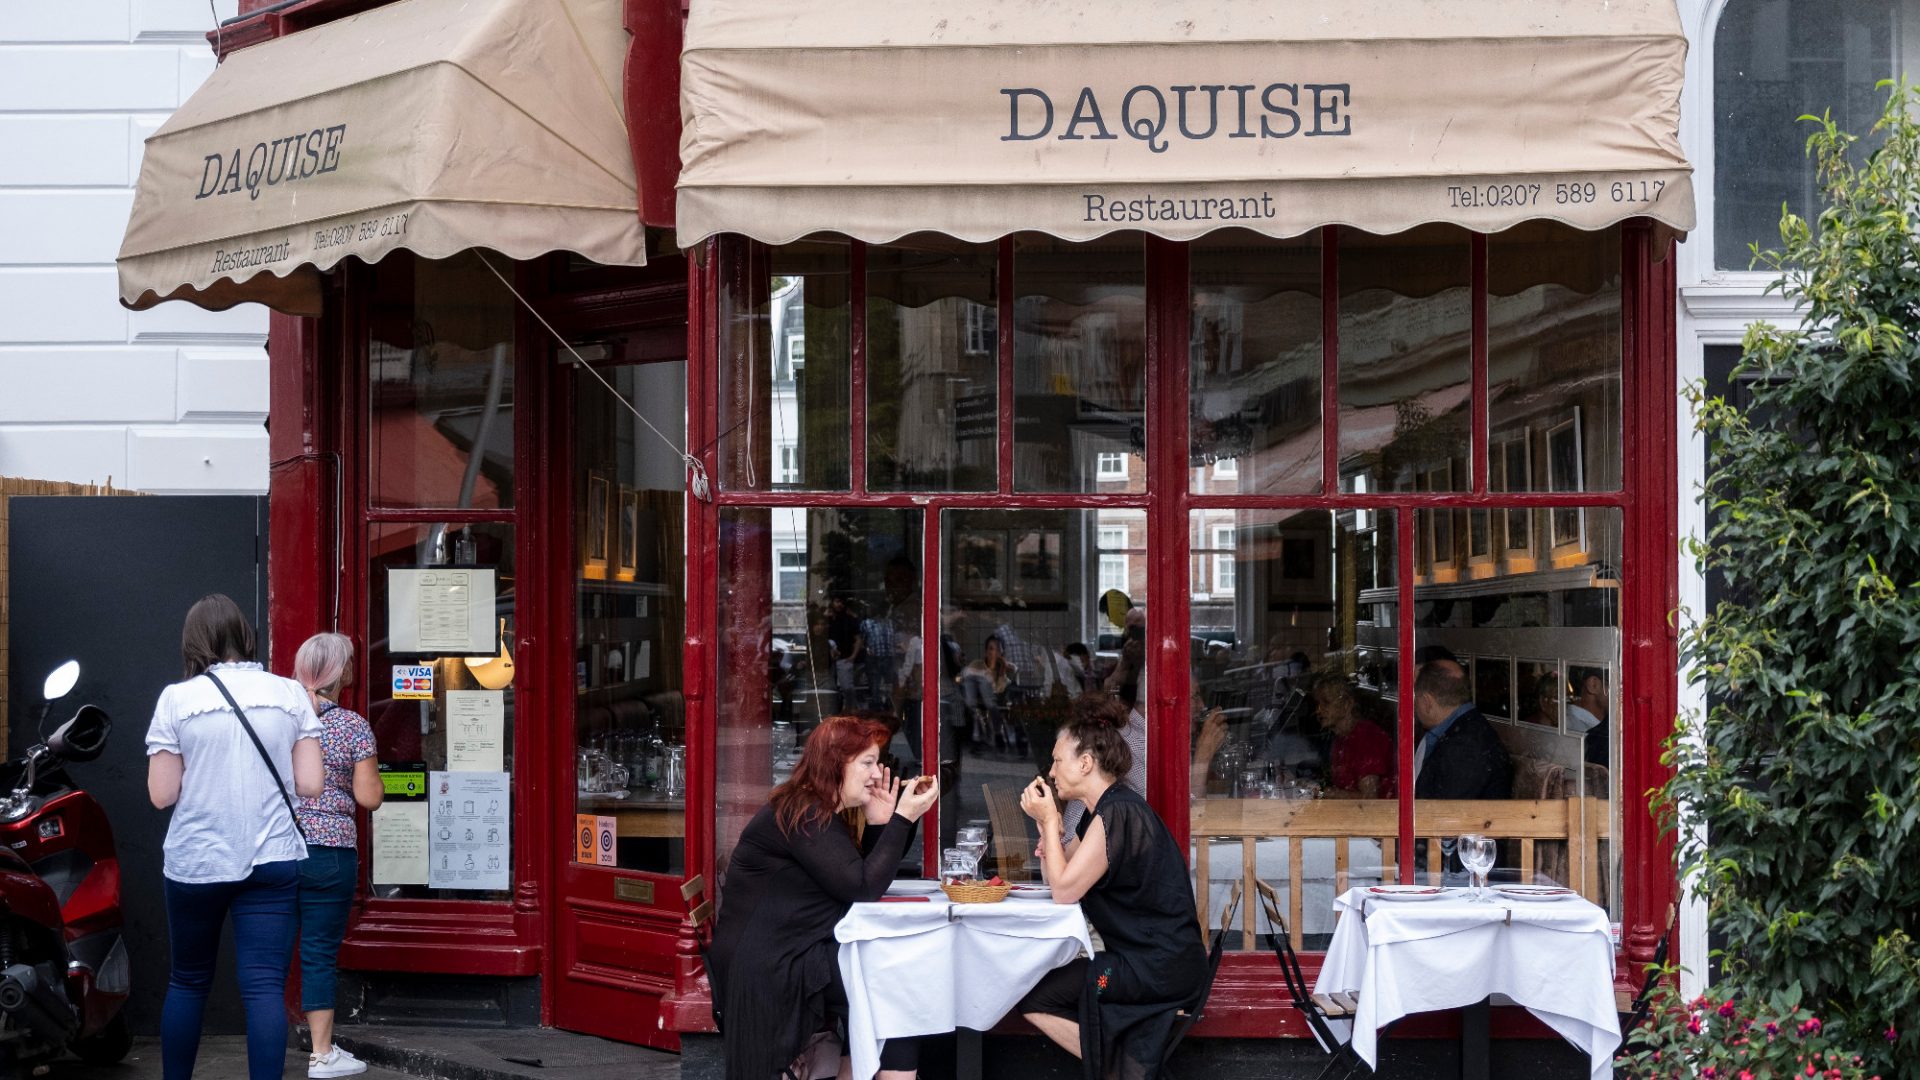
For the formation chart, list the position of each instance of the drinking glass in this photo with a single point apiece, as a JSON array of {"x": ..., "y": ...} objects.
[
  {"x": 972, "y": 839},
  {"x": 1477, "y": 854},
  {"x": 955, "y": 865}
]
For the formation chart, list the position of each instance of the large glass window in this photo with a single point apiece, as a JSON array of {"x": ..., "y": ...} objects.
[
  {"x": 629, "y": 608},
  {"x": 1775, "y": 61},
  {"x": 846, "y": 640},
  {"x": 1022, "y": 620},
  {"x": 785, "y": 399},
  {"x": 932, "y": 392},
  {"x": 440, "y": 357},
  {"x": 1515, "y": 703},
  {"x": 1406, "y": 359},
  {"x": 1079, "y": 358},
  {"x": 1294, "y": 771},
  {"x": 971, "y": 625},
  {"x": 1255, "y": 362}
]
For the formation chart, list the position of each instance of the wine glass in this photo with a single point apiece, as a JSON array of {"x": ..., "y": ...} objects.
[
  {"x": 1477, "y": 854},
  {"x": 972, "y": 839}
]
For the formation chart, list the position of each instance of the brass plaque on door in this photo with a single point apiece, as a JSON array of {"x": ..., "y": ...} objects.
[{"x": 638, "y": 890}]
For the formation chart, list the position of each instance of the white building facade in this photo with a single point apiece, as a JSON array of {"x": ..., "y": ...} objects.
[{"x": 170, "y": 400}]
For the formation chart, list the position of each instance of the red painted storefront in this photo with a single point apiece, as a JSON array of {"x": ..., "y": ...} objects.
[{"x": 611, "y": 948}]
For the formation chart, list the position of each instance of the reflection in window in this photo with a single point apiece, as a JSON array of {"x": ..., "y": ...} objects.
[
  {"x": 440, "y": 360},
  {"x": 1294, "y": 768},
  {"x": 1022, "y": 621},
  {"x": 1405, "y": 359},
  {"x": 1773, "y": 63},
  {"x": 932, "y": 391},
  {"x": 819, "y": 616},
  {"x": 1553, "y": 358},
  {"x": 1256, "y": 362},
  {"x": 1080, "y": 358},
  {"x": 630, "y": 713},
  {"x": 1519, "y": 690},
  {"x": 412, "y": 735},
  {"x": 785, "y": 376}
]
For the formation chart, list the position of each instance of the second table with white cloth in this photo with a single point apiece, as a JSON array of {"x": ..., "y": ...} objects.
[
  {"x": 1399, "y": 957},
  {"x": 929, "y": 967}
]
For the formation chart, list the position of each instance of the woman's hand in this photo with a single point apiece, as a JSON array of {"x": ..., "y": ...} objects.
[
  {"x": 1213, "y": 735},
  {"x": 917, "y": 797},
  {"x": 1038, "y": 802},
  {"x": 882, "y": 798}
]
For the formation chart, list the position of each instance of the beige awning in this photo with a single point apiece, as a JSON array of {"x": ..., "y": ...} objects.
[
  {"x": 430, "y": 125},
  {"x": 878, "y": 118}
]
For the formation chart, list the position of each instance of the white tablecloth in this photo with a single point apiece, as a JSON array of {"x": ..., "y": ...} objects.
[
  {"x": 925, "y": 968},
  {"x": 1403, "y": 957}
]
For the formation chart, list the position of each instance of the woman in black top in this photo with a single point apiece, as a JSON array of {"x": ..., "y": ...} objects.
[
  {"x": 801, "y": 863},
  {"x": 1126, "y": 872}
]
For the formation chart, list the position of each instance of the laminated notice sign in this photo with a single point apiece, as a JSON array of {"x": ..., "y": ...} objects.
[
  {"x": 400, "y": 844},
  {"x": 476, "y": 722},
  {"x": 412, "y": 682},
  {"x": 594, "y": 838},
  {"x": 469, "y": 845},
  {"x": 441, "y": 611}
]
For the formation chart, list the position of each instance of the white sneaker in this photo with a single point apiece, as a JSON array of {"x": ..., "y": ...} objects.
[{"x": 335, "y": 1062}]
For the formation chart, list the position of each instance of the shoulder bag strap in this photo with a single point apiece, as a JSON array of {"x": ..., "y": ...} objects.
[{"x": 265, "y": 759}]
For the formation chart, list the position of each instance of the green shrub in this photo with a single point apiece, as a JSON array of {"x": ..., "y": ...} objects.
[
  {"x": 1796, "y": 795},
  {"x": 1720, "y": 1036}
]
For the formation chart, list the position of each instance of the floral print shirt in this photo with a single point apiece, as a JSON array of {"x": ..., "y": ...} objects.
[{"x": 345, "y": 740}]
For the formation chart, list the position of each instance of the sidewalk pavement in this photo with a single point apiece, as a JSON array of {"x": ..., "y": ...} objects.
[{"x": 395, "y": 1053}]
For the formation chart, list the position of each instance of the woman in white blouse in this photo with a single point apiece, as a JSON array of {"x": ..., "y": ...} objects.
[{"x": 233, "y": 846}]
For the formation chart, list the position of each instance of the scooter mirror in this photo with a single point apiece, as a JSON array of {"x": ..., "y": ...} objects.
[
  {"x": 61, "y": 682},
  {"x": 83, "y": 737}
]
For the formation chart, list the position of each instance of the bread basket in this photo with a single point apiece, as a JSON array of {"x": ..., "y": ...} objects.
[{"x": 975, "y": 892}]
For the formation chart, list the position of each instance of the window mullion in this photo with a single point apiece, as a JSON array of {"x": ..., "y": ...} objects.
[
  {"x": 1003, "y": 350},
  {"x": 1403, "y": 581},
  {"x": 1479, "y": 410},
  {"x": 857, "y": 367}
]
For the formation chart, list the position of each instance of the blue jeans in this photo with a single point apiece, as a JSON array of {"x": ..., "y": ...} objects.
[
  {"x": 327, "y": 881},
  {"x": 262, "y": 905}
]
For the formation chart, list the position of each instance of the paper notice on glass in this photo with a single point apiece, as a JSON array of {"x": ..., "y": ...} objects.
[
  {"x": 400, "y": 844},
  {"x": 442, "y": 611},
  {"x": 476, "y": 727},
  {"x": 469, "y": 846}
]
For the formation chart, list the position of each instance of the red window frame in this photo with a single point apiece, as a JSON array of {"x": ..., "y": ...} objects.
[{"x": 1646, "y": 499}]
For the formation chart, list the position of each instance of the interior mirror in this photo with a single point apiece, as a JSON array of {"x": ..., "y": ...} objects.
[
  {"x": 61, "y": 682},
  {"x": 83, "y": 737}
]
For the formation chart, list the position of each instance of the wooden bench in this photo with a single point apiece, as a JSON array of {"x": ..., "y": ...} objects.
[{"x": 1579, "y": 823}]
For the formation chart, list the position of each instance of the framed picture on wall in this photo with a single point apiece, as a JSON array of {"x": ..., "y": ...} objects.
[
  {"x": 626, "y": 549},
  {"x": 1513, "y": 471},
  {"x": 593, "y": 530},
  {"x": 1039, "y": 576},
  {"x": 1564, "y": 473},
  {"x": 1542, "y": 692},
  {"x": 1493, "y": 686},
  {"x": 980, "y": 566}
]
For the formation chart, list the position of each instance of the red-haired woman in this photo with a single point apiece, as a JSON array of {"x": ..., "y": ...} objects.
[{"x": 797, "y": 869}]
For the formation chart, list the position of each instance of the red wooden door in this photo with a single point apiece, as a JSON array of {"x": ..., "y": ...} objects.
[{"x": 619, "y": 777}]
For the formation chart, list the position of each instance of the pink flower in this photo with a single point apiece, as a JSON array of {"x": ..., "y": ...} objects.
[
  {"x": 1772, "y": 1029},
  {"x": 1726, "y": 1008},
  {"x": 1811, "y": 1027},
  {"x": 1693, "y": 1025},
  {"x": 1892, "y": 1035},
  {"x": 1745, "y": 1075}
]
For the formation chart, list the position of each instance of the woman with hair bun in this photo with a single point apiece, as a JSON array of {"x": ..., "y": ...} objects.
[
  {"x": 1125, "y": 871},
  {"x": 829, "y": 837}
]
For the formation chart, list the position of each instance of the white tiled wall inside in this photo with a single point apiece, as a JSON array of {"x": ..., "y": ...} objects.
[{"x": 168, "y": 400}]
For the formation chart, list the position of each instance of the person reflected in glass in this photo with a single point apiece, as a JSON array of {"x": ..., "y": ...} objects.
[
  {"x": 1458, "y": 755},
  {"x": 1587, "y": 713},
  {"x": 1544, "y": 707},
  {"x": 1129, "y": 876},
  {"x": 1360, "y": 760},
  {"x": 983, "y": 690},
  {"x": 828, "y": 838}
]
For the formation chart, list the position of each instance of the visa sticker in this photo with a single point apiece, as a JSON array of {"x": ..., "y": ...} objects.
[{"x": 411, "y": 683}]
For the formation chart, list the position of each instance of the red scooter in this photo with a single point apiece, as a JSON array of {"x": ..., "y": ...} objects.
[{"x": 63, "y": 965}]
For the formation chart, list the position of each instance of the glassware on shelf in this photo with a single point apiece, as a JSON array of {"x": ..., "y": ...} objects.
[{"x": 673, "y": 773}]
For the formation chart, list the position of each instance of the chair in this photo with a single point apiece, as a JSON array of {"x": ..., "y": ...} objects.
[
  {"x": 1642, "y": 1003},
  {"x": 701, "y": 916},
  {"x": 1011, "y": 845},
  {"x": 1321, "y": 1011},
  {"x": 1184, "y": 1019}
]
